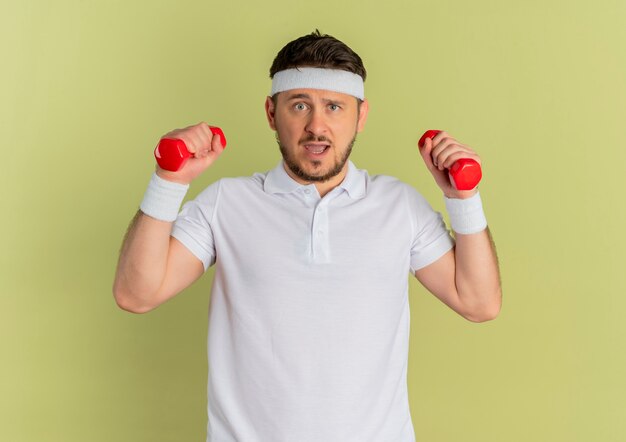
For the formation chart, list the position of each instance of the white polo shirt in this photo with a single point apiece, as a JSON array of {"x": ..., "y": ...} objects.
[{"x": 309, "y": 314}]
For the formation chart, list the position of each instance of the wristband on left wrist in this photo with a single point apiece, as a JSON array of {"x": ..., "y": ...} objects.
[{"x": 466, "y": 215}]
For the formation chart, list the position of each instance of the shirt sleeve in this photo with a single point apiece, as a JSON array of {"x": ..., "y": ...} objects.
[
  {"x": 431, "y": 239},
  {"x": 193, "y": 226}
]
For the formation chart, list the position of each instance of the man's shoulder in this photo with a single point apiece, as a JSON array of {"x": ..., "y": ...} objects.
[
  {"x": 231, "y": 185},
  {"x": 383, "y": 182},
  {"x": 393, "y": 190},
  {"x": 255, "y": 180}
]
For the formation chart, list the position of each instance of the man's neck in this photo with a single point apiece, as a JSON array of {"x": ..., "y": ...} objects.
[{"x": 323, "y": 187}]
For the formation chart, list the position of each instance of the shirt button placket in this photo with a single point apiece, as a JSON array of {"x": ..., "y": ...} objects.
[{"x": 320, "y": 235}]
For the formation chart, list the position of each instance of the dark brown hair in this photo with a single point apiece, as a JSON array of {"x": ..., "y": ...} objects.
[{"x": 319, "y": 51}]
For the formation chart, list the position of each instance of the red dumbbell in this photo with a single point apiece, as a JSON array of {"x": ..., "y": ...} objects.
[
  {"x": 465, "y": 173},
  {"x": 171, "y": 153}
]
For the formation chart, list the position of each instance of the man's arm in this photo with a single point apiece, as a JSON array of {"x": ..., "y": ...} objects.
[
  {"x": 466, "y": 278},
  {"x": 153, "y": 266}
]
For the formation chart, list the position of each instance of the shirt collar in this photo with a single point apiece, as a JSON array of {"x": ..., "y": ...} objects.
[
  {"x": 278, "y": 181},
  {"x": 355, "y": 182}
]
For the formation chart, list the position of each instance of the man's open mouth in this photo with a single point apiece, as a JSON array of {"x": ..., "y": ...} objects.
[{"x": 316, "y": 148}]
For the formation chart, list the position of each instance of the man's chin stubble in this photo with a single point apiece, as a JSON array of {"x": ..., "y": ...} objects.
[{"x": 297, "y": 171}]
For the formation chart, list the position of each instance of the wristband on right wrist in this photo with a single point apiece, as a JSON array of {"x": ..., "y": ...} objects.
[
  {"x": 163, "y": 198},
  {"x": 466, "y": 215}
]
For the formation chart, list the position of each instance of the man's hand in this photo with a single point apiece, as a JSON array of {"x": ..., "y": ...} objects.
[
  {"x": 153, "y": 266},
  {"x": 439, "y": 154},
  {"x": 202, "y": 144}
]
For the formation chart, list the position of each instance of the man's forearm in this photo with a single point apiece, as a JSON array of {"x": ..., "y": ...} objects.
[
  {"x": 142, "y": 263},
  {"x": 477, "y": 275}
]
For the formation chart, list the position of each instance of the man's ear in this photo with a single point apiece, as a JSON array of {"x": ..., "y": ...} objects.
[
  {"x": 270, "y": 112},
  {"x": 363, "y": 110}
]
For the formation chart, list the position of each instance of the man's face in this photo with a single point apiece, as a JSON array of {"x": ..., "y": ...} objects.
[{"x": 315, "y": 131}]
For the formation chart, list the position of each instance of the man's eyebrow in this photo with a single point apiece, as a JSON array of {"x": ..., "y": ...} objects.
[
  {"x": 298, "y": 96},
  {"x": 339, "y": 102},
  {"x": 308, "y": 97}
]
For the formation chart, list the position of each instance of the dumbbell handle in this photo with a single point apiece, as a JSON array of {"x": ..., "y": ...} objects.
[
  {"x": 465, "y": 172},
  {"x": 171, "y": 153}
]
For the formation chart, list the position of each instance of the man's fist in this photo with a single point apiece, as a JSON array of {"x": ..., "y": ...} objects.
[
  {"x": 183, "y": 154},
  {"x": 455, "y": 167}
]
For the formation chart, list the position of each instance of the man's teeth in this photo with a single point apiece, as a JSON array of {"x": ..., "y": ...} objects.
[{"x": 316, "y": 149}]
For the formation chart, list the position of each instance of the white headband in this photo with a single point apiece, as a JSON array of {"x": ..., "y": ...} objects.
[{"x": 335, "y": 80}]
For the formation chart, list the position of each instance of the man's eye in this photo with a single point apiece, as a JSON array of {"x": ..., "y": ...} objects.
[
  {"x": 300, "y": 106},
  {"x": 334, "y": 107}
]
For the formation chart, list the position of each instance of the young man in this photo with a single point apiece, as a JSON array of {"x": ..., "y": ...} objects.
[{"x": 309, "y": 315}]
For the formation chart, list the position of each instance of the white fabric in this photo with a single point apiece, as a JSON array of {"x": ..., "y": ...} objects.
[
  {"x": 466, "y": 215},
  {"x": 309, "y": 313},
  {"x": 163, "y": 198},
  {"x": 336, "y": 80}
]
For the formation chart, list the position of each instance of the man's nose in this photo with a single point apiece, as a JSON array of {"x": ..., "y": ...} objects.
[{"x": 316, "y": 124}]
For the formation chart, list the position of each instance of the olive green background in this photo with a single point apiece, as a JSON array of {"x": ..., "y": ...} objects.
[{"x": 536, "y": 87}]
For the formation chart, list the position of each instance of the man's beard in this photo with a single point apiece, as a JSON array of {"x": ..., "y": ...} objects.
[{"x": 333, "y": 172}]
